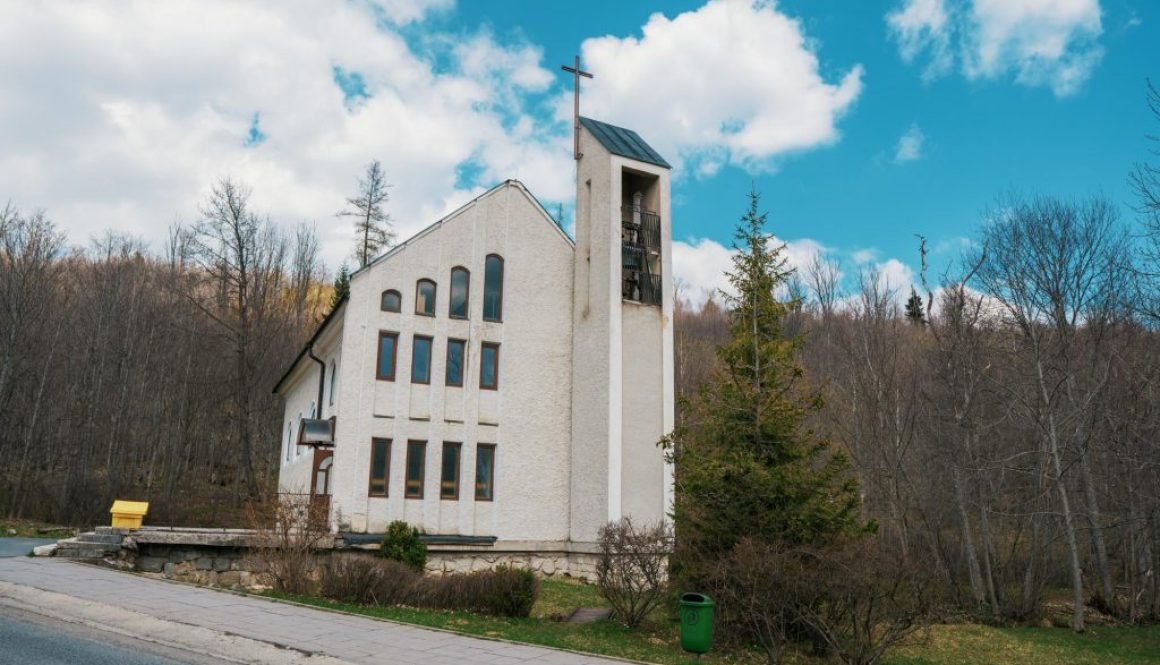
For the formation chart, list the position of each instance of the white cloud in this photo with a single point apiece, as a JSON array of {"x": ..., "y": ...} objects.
[
  {"x": 895, "y": 275},
  {"x": 921, "y": 25},
  {"x": 909, "y": 146},
  {"x": 1051, "y": 43},
  {"x": 122, "y": 116},
  {"x": 402, "y": 12},
  {"x": 699, "y": 267},
  {"x": 735, "y": 81},
  {"x": 700, "y": 264}
]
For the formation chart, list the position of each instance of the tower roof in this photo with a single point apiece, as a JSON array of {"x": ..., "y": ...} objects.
[{"x": 623, "y": 142}]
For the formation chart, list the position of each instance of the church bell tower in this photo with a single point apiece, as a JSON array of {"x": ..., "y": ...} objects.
[{"x": 622, "y": 335}]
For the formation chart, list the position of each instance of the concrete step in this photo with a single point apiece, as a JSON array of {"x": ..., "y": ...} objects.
[
  {"x": 72, "y": 548},
  {"x": 103, "y": 538}
]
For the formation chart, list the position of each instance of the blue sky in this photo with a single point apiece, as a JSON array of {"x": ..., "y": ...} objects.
[
  {"x": 862, "y": 123},
  {"x": 980, "y": 137}
]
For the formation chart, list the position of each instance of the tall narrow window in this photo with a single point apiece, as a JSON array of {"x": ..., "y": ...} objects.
[
  {"x": 460, "y": 287},
  {"x": 388, "y": 346},
  {"x": 485, "y": 472},
  {"x": 289, "y": 439},
  {"x": 456, "y": 360},
  {"x": 421, "y": 360},
  {"x": 493, "y": 288},
  {"x": 298, "y": 448},
  {"x": 489, "y": 366},
  {"x": 449, "y": 476},
  {"x": 380, "y": 466},
  {"x": 416, "y": 454},
  {"x": 425, "y": 297},
  {"x": 391, "y": 301},
  {"x": 333, "y": 380}
]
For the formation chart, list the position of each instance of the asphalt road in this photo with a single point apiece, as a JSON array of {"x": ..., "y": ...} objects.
[
  {"x": 31, "y": 639},
  {"x": 21, "y": 546}
]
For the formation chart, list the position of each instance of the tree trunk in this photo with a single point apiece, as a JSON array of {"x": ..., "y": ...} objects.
[
  {"x": 1107, "y": 583},
  {"x": 968, "y": 540}
]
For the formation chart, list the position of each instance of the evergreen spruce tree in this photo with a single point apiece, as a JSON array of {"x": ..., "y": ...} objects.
[
  {"x": 341, "y": 287},
  {"x": 914, "y": 312},
  {"x": 747, "y": 463}
]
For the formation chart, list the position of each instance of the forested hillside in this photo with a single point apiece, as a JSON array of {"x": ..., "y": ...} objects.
[
  {"x": 128, "y": 373},
  {"x": 1004, "y": 427}
]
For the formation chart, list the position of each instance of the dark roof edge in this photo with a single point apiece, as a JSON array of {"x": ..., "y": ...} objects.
[
  {"x": 313, "y": 338},
  {"x": 624, "y": 142},
  {"x": 432, "y": 226}
]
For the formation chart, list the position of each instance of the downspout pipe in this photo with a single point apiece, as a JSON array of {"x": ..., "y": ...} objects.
[{"x": 321, "y": 378}]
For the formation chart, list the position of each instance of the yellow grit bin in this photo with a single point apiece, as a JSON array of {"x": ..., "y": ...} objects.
[{"x": 128, "y": 514}]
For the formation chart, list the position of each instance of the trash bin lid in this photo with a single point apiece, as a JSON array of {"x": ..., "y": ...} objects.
[
  {"x": 121, "y": 507},
  {"x": 695, "y": 599}
]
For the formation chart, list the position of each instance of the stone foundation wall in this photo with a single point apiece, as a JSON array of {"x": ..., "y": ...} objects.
[
  {"x": 211, "y": 566},
  {"x": 545, "y": 564},
  {"x": 235, "y": 567}
]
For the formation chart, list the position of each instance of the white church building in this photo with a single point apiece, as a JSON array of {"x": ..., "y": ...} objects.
[{"x": 495, "y": 383}]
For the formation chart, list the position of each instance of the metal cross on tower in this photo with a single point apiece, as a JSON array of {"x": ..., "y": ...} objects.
[{"x": 576, "y": 73}]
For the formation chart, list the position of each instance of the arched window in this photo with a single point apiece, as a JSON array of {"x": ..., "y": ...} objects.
[
  {"x": 493, "y": 288},
  {"x": 425, "y": 297},
  {"x": 391, "y": 301},
  {"x": 460, "y": 287}
]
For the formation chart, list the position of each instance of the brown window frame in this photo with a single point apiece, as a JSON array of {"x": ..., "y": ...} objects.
[
  {"x": 466, "y": 295},
  {"x": 493, "y": 345},
  {"x": 387, "y": 469},
  {"x": 458, "y": 470},
  {"x": 407, "y": 494},
  {"x": 491, "y": 471},
  {"x": 447, "y": 362},
  {"x": 383, "y": 296},
  {"x": 502, "y": 270},
  {"x": 430, "y": 354},
  {"x": 434, "y": 297},
  {"x": 394, "y": 356}
]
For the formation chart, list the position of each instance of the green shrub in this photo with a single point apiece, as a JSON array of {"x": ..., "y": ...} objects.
[
  {"x": 351, "y": 579},
  {"x": 507, "y": 592},
  {"x": 401, "y": 543},
  {"x": 632, "y": 571},
  {"x": 398, "y": 584}
]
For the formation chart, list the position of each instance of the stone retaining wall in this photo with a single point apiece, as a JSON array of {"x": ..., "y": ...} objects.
[
  {"x": 225, "y": 559},
  {"x": 208, "y": 565},
  {"x": 579, "y": 565}
]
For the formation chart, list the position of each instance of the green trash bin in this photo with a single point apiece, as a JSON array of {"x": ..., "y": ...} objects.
[{"x": 696, "y": 622}]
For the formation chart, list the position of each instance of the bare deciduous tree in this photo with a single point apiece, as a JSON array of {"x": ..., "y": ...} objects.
[{"x": 372, "y": 223}]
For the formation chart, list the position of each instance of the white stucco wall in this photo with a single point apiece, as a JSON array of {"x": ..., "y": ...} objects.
[
  {"x": 647, "y": 394},
  {"x": 300, "y": 396},
  {"x": 585, "y": 387},
  {"x": 528, "y": 418},
  {"x": 594, "y": 322},
  {"x": 623, "y": 382}
]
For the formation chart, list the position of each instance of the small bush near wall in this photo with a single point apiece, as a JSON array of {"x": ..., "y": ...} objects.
[
  {"x": 508, "y": 592},
  {"x": 505, "y": 592},
  {"x": 294, "y": 530},
  {"x": 632, "y": 567},
  {"x": 352, "y": 579},
  {"x": 401, "y": 543}
]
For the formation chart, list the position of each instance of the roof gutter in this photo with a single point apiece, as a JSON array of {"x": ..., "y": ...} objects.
[
  {"x": 321, "y": 377},
  {"x": 309, "y": 345}
]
